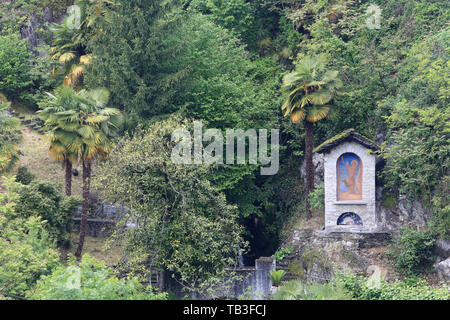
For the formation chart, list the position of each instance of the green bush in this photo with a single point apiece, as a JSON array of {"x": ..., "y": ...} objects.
[
  {"x": 282, "y": 253},
  {"x": 412, "y": 251},
  {"x": 24, "y": 176},
  {"x": 408, "y": 289},
  {"x": 317, "y": 198},
  {"x": 8, "y": 138},
  {"x": 14, "y": 65},
  {"x": 441, "y": 208},
  {"x": 27, "y": 251},
  {"x": 90, "y": 280},
  {"x": 297, "y": 290},
  {"x": 44, "y": 199}
]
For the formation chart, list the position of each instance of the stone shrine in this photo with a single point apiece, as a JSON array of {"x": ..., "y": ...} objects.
[{"x": 349, "y": 182}]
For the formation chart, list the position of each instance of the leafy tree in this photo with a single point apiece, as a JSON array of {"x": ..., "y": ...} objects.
[
  {"x": 311, "y": 88},
  {"x": 131, "y": 56},
  {"x": 183, "y": 224},
  {"x": 203, "y": 71},
  {"x": 238, "y": 16},
  {"x": 14, "y": 65},
  {"x": 164, "y": 79}
]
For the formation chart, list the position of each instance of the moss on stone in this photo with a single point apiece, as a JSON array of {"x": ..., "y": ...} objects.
[
  {"x": 316, "y": 257},
  {"x": 349, "y": 133}
]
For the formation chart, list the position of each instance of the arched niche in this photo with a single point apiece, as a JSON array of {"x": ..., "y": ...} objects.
[
  {"x": 349, "y": 173},
  {"x": 349, "y": 218}
]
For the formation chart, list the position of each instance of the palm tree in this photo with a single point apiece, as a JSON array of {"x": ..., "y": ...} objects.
[
  {"x": 85, "y": 128},
  {"x": 70, "y": 50},
  {"x": 70, "y": 44},
  {"x": 60, "y": 131},
  {"x": 8, "y": 138},
  {"x": 310, "y": 90}
]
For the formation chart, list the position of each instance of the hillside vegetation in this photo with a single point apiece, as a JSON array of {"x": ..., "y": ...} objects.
[{"x": 111, "y": 90}]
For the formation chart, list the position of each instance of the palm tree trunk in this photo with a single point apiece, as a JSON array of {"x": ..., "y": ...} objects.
[
  {"x": 309, "y": 144},
  {"x": 68, "y": 177},
  {"x": 84, "y": 212}
]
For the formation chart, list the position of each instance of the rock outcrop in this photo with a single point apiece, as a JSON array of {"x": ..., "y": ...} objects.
[
  {"x": 442, "y": 248},
  {"x": 318, "y": 169},
  {"x": 317, "y": 255},
  {"x": 443, "y": 270},
  {"x": 396, "y": 213}
]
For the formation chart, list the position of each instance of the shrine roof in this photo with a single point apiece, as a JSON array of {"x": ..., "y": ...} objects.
[{"x": 349, "y": 135}]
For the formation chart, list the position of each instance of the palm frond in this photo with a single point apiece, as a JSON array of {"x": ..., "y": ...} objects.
[
  {"x": 316, "y": 113},
  {"x": 298, "y": 116},
  {"x": 66, "y": 57},
  {"x": 86, "y": 59}
]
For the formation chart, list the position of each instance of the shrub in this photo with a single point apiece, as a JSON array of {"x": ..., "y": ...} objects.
[
  {"x": 8, "y": 138},
  {"x": 317, "y": 198},
  {"x": 413, "y": 252},
  {"x": 44, "y": 199},
  {"x": 297, "y": 290},
  {"x": 27, "y": 251},
  {"x": 441, "y": 208},
  {"x": 14, "y": 65},
  {"x": 90, "y": 280},
  {"x": 277, "y": 276},
  {"x": 282, "y": 253},
  {"x": 407, "y": 289},
  {"x": 24, "y": 176}
]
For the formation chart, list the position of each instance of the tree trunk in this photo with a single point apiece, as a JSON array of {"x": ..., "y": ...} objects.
[
  {"x": 309, "y": 144},
  {"x": 84, "y": 212},
  {"x": 162, "y": 281},
  {"x": 68, "y": 177}
]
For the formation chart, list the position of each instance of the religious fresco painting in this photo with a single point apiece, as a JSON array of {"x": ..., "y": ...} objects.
[
  {"x": 349, "y": 177},
  {"x": 349, "y": 218}
]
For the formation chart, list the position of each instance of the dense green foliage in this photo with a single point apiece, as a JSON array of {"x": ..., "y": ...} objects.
[
  {"x": 221, "y": 62},
  {"x": 418, "y": 150},
  {"x": 14, "y": 66},
  {"x": 407, "y": 289},
  {"x": 182, "y": 222},
  {"x": 15, "y": 15},
  {"x": 24, "y": 176},
  {"x": 413, "y": 251},
  {"x": 8, "y": 138},
  {"x": 89, "y": 280},
  {"x": 27, "y": 250},
  {"x": 297, "y": 290},
  {"x": 44, "y": 199}
]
